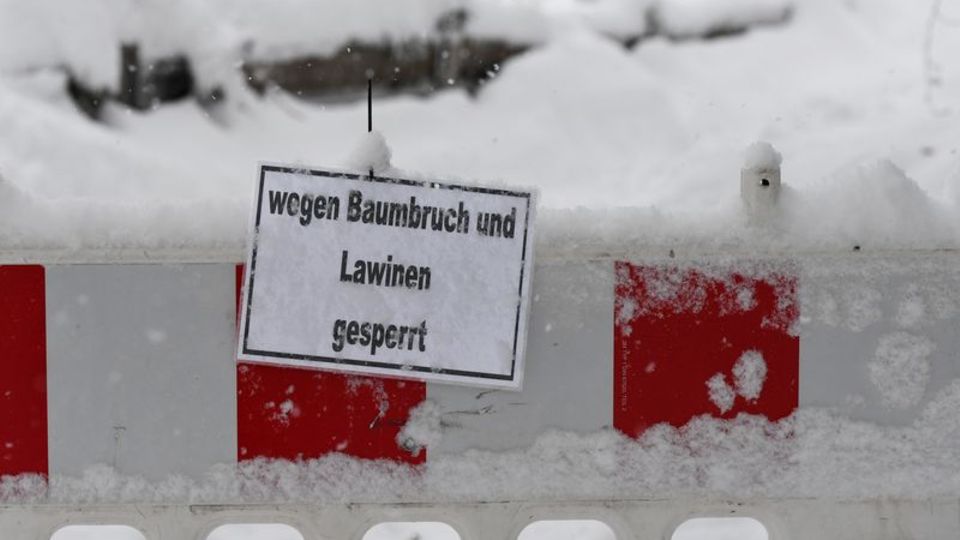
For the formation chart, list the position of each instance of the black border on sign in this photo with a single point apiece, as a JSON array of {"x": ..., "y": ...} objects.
[{"x": 368, "y": 363}]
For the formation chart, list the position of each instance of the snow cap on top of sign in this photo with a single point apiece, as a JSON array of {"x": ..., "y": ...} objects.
[{"x": 370, "y": 153}]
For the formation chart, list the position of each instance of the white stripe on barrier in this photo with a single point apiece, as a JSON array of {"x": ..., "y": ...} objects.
[
  {"x": 878, "y": 339},
  {"x": 141, "y": 374},
  {"x": 569, "y": 368}
]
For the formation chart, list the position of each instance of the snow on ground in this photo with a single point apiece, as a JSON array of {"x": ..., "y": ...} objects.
[{"x": 658, "y": 133}]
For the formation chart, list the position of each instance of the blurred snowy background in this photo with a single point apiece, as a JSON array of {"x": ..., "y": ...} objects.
[{"x": 643, "y": 104}]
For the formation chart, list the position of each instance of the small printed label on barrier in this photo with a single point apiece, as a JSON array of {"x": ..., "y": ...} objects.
[{"x": 388, "y": 276}]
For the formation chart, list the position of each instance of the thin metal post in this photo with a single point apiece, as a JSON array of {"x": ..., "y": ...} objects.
[{"x": 370, "y": 109}]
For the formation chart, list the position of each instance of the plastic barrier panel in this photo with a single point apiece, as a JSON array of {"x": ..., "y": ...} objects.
[{"x": 119, "y": 382}]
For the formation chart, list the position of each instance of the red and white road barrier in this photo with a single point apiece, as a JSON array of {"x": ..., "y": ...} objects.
[{"x": 133, "y": 365}]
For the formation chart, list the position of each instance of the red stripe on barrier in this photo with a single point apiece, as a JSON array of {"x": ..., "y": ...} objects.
[
  {"x": 23, "y": 370},
  {"x": 292, "y": 413},
  {"x": 683, "y": 340}
]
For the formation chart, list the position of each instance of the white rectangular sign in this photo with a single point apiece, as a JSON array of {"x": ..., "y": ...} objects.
[{"x": 388, "y": 276}]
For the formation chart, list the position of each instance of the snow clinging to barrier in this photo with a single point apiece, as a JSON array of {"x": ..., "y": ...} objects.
[
  {"x": 900, "y": 370},
  {"x": 721, "y": 393},
  {"x": 750, "y": 372}
]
